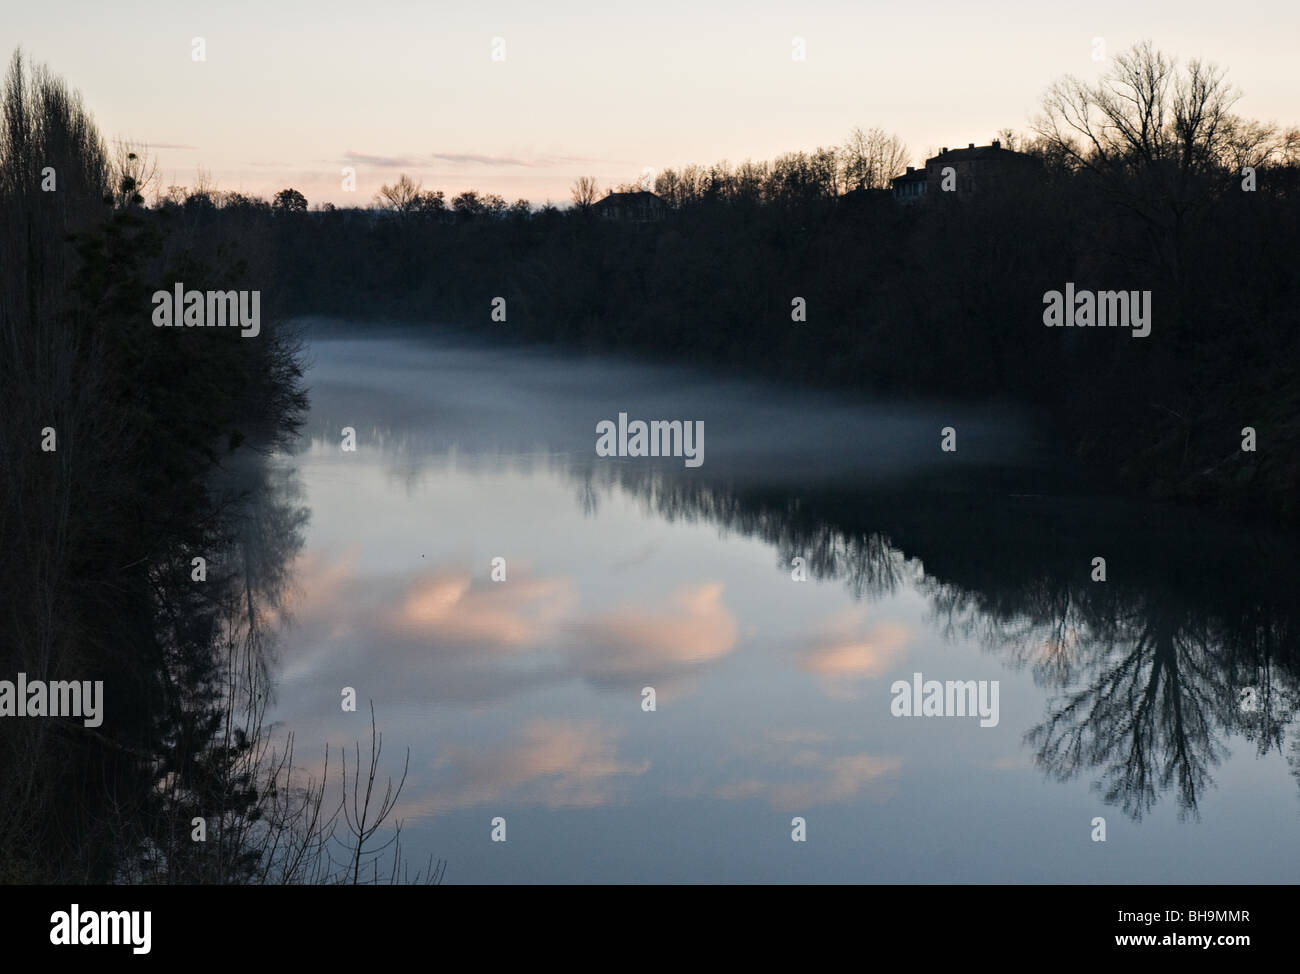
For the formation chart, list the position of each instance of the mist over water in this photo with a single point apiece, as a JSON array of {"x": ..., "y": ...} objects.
[
  {"x": 523, "y": 698},
  {"x": 437, "y": 391}
]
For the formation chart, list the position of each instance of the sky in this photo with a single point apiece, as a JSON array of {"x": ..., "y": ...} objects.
[{"x": 521, "y": 99}]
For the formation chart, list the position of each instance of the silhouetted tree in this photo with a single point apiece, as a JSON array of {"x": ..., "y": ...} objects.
[
  {"x": 289, "y": 201},
  {"x": 468, "y": 204},
  {"x": 585, "y": 192},
  {"x": 402, "y": 197},
  {"x": 872, "y": 158}
]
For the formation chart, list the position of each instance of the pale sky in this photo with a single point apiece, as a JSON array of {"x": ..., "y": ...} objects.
[{"x": 291, "y": 91}]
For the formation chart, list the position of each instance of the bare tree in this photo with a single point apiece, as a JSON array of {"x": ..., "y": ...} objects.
[
  {"x": 1256, "y": 144},
  {"x": 1146, "y": 119},
  {"x": 402, "y": 197},
  {"x": 468, "y": 204},
  {"x": 135, "y": 173},
  {"x": 363, "y": 821},
  {"x": 585, "y": 192},
  {"x": 825, "y": 170},
  {"x": 1157, "y": 139},
  {"x": 871, "y": 158},
  {"x": 1289, "y": 147},
  {"x": 1009, "y": 138},
  {"x": 431, "y": 202}
]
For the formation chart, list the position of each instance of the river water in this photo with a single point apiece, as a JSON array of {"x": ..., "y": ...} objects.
[{"x": 1161, "y": 700}]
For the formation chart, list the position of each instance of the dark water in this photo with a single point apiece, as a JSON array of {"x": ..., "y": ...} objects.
[{"x": 1162, "y": 699}]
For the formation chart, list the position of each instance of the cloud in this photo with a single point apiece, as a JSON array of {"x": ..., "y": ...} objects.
[
  {"x": 463, "y": 159},
  {"x": 454, "y": 608},
  {"x": 554, "y": 763},
  {"x": 382, "y": 162},
  {"x": 796, "y": 735},
  {"x": 442, "y": 635},
  {"x": 541, "y": 162},
  {"x": 630, "y": 644},
  {"x": 807, "y": 776},
  {"x": 847, "y": 650},
  {"x": 469, "y": 158},
  {"x": 448, "y": 635}
]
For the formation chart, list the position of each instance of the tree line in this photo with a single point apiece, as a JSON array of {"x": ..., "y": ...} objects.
[
  {"x": 1146, "y": 179},
  {"x": 146, "y": 537}
]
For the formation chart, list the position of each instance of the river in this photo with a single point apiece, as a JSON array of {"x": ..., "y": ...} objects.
[{"x": 1160, "y": 700}]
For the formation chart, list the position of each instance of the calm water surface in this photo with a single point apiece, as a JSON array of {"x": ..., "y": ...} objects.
[{"x": 1161, "y": 699}]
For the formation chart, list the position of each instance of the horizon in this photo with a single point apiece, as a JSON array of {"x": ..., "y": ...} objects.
[{"x": 454, "y": 119}]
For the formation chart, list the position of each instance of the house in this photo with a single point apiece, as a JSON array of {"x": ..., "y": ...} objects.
[
  {"x": 909, "y": 187},
  {"x": 639, "y": 207},
  {"x": 979, "y": 167},
  {"x": 976, "y": 168}
]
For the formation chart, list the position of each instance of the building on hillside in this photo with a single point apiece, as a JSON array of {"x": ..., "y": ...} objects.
[
  {"x": 909, "y": 187},
  {"x": 975, "y": 169},
  {"x": 639, "y": 207},
  {"x": 980, "y": 167}
]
